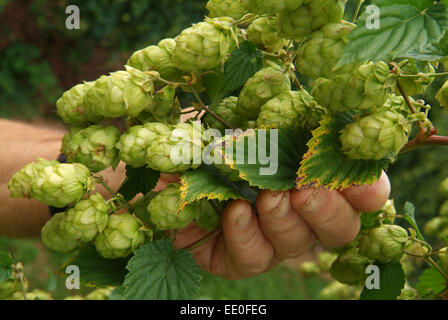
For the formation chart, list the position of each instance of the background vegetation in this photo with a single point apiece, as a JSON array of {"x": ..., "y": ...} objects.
[{"x": 40, "y": 58}]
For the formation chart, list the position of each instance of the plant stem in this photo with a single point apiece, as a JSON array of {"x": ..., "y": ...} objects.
[
  {"x": 358, "y": 8},
  {"x": 406, "y": 98},
  {"x": 206, "y": 109},
  {"x": 120, "y": 199},
  {"x": 430, "y": 141},
  {"x": 416, "y": 76},
  {"x": 435, "y": 265},
  {"x": 203, "y": 240}
]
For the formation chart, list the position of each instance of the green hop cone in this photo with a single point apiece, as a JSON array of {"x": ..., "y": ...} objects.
[
  {"x": 442, "y": 95},
  {"x": 226, "y": 109},
  {"x": 443, "y": 211},
  {"x": 165, "y": 107},
  {"x": 350, "y": 268},
  {"x": 120, "y": 238},
  {"x": 339, "y": 291},
  {"x": 271, "y": 7},
  {"x": 263, "y": 32},
  {"x": 157, "y": 58},
  {"x": 414, "y": 87},
  {"x": 325, "y": 259},
  {"x": 384, "y": 244},
  {"x": 444, "y": 187},
  {"x": 378, "y": 136},
  {"x": 105, "y": 97},
  {"x": 262, "y": 87},
  {"x": 72, "y": 109},
  {"x": 20, "y": 184},
  {"x": 436, "y": 226},
  {"x": 61, "y": 184},
  {"x": 204, "y": 46},
  {"x": 86, "y": 219},
  {"x": 8, "y": 288},
  {"x": 133, "y": 145},
  {"x": 94, "y": 147},
  {"x": 178, "y": 151},
  {"x": 366, "y": 88},
  {"x": 36, "y": 294},
  {"x": 205, "y": 215},
  {"x": 54, "y": 237},
  {"x": 291, "y": 108},
  {"x": 164, "y": 210},
  {"x": 100, "y": 294},
  {"x": 389, "y": 211},
  {"x": 226, "y": 8},
  {"x": 311, "y": 16},
  {"x": 443, "y": 255},
  {"x": 319, "y": 55}
]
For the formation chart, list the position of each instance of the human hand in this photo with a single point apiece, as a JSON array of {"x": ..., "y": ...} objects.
[{"x": 287, "y": 225}]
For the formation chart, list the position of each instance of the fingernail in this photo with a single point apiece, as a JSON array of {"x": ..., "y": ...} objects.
[
  {"x": 243, "y": 219},
  {"x": 283, "y": 205},
  {"x": 314, "y": 202}
]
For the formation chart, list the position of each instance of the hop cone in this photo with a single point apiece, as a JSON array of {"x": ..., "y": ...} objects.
[
  {"x": 290, "y": 108},
  {"x": 442, "y": 95},
  {"x": 205, "y": 215},
  {"x": 178, "y": 151},
  {"x": 311, "y": 16},
  {"x": 226, "y": 109},
  {"x": 20, "y": 184},
  {"x": 263, "y": 32},
  {"x": 164, "y": 211},
  {"x": 262, "y": 87},
  {"x": 272, "y": 6},
  {"x": 443, "y": 255},
  {"x": 94, "y": 147},
  {"x": 350, "y": 268},
  {"x": 121, "y": 236},
  {"x": 133, "y": 144},
  {"x": 203, "y": 46},
  {"x": 52, "y": 183},
  {"x": 377, "y": 136},
  {"x": 389, "y": 212},
  {"x": 338, "y": 291},
  {"x": 226, "y": 8},
  {"x": 319, "y": 55},
  {"x": 72, "y": 109},
  {"x": 414, "y": 87},
  {"x": 384, "y": 244},
  {"x": 366, "y": 88},
  {"x": 325, "y": 259},
  {"x": 53, "y": 236},
  {"x": 86, "y": 219},
  {"x": 436, "y": 226},
  {"x": 157, "y": 58}
]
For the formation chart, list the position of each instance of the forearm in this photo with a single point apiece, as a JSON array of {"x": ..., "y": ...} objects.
[{"x": 21, "y": 144}]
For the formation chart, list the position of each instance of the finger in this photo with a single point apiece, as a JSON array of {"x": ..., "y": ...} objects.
[
  {"x": 243, "y": 251},
  {"x": 288, "y": 233},
  {"x": 369, "y": 198},
  {"x": 331, "y": 217}
]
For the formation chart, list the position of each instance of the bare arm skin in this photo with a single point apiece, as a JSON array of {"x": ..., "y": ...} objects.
[{"x": 288, "y": 223}]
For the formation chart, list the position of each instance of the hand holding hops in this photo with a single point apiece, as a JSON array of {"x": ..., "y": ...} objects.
[
  {"x": 86, "y": 219},
  {"x": 52, "y": 183},
  {"x": 384, "y": 244},
  {"x": 226, "y": 8},
  {"x": 262, "y": 87},
  {"x": 164, "y": 210},
  {"x": 94, "y": 147},
  {"x": 203, "y": 46},
  {"x": 378, "y": 136},
  {"x": 121, "y": 236},
  {"x": 264, "y": 34}
]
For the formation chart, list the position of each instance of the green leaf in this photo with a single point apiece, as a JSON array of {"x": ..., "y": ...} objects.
[
  {"x": 242, "y": 65},
  {"x": 369, "y": 220},
  {"x": 138, "y": 180},
  {"x": 97, "y": 271},
  {"x": 326, "y": 165},
  {"x": 213, "y": 83},
  {"x": 5, "y": 266},
  {"x": 411, "y": 29},
  {"x": 431, "y": 282},
  {"x": 117, "y": 294},
  {"x": 392, "y": 281},
  {"x": 208, "y": 182},
  {"x": 284, "y": 148},
  {"x": 409, "y": 216},
  {"x": 157, "y": 272}
]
